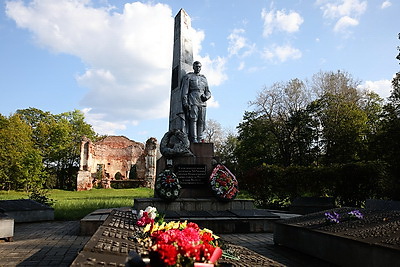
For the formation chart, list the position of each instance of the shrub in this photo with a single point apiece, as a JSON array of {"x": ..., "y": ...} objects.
[
  {"x": 40, "y": 195},
  {"x": 351, "y": 184}
]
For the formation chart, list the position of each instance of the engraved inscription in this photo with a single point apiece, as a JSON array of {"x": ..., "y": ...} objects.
[{"x": 191, "y": 174}]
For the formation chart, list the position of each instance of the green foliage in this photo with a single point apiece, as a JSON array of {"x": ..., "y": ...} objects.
[
  {"x": 280, "y": 130},
  {"x": 39, "y": 149},
  {"x": 58, "y": 137},
  {"x": 341, "y": 141},
  {"x": 20, "y": 162},
  {"x": 226, "y": 153},
  {"x": 351, "y": 184},
  {"x": 41, "y": 196}
]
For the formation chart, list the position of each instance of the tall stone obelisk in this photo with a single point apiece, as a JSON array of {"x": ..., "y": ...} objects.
[{"x": 181, "y": 64}]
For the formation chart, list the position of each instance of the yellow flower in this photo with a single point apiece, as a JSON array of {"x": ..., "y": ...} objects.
[{"x": 147, "y": 228}]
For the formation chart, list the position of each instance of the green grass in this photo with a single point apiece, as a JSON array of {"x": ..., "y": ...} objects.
[{"x": 74, "y": 205}]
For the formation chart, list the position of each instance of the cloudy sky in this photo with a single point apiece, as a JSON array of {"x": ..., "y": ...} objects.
[{"x": 112, "y": 59}]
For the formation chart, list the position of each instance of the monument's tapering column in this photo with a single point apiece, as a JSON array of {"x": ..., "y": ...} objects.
[{"x": 181, "y": 64}]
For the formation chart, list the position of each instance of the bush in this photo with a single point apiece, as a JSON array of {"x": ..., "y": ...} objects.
[
  {"x": 351, "y": 184},
  {"x": 40, "y": 196}
]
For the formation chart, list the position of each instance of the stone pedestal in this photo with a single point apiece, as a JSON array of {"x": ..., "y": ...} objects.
[
  {"x": 26, "y": 210},
  {"x": 6, "y": 227},
  {"x": 193, "y": 172}
]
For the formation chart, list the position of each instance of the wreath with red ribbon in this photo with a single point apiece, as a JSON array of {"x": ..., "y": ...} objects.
[{"x": 223, "y": 183}]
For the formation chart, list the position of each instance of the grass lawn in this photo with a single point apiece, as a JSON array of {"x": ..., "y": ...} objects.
[{"x": 74, "y": 205}]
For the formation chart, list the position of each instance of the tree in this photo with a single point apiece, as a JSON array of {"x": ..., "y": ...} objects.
[
  {"x": 278, "y": 131},
  {"x": 387, "y": 140},
  {"x": 227, "y": 154},
  {"x": 58, "y": 139},
  {"x": 214, "y": 133},
  {"x": 20, "y": 163},
  {"x": 338, "y": 111}
]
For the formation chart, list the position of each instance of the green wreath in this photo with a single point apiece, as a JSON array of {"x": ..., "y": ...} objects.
[{"x": 167, "y": 185}]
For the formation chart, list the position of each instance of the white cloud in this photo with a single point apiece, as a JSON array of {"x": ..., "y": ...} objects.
[
  {"x": 281, "y": 53},
  {"x": 381, "y": 87},
  {"x": 214, "y": 70},
  {"x": 212, "y": 103},
  {"x": 386, "y": 4},
  {"x": 128, "y": 54},
  {"x": 346, "y": 13},
  {"x": 241, "y": 65},
  {"x": 280, "y": 20},
  {"x": 343, "y": 23},
  {"x": 100, "y": 126},
  {"x": 238, "y": 43}
]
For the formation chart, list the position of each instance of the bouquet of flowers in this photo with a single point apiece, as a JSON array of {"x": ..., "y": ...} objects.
[
  {"x": 181, "y": 244},
  {"x": 223, "y": 183},
  {"x": 147, "y": 216}
]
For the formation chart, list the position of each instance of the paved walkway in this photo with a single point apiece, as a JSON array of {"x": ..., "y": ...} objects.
[
  {"x": 54, "y": 243},
  {"x": 57, "y": 243}
]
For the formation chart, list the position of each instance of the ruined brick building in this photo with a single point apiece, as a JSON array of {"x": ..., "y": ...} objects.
[{"x": 116, "y": 158}]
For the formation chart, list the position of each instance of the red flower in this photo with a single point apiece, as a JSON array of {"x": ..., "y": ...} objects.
[
  {"x": 181, "y": 246},
  {"x": 168, "y": 253},
  {"x": 206, "y": 237},
  {"x": 145, "y": 219}
]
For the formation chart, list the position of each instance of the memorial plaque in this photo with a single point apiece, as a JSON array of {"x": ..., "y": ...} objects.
[{"x": 191, "y": 175}]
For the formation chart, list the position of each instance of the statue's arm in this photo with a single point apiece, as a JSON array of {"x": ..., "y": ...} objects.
[{"x": 207, "y": 93}]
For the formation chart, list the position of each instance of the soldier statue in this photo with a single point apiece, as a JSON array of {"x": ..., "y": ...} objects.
[{"x": 195, "y": 93}]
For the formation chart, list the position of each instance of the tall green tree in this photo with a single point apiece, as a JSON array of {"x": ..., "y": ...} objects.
[
  {"x": 20, "y": 163},
  {"x": 343, "y": 123},
  {"x": 58, "y": 139},
  {"x": 387, "y": 139},
  {"x": 278, "y": 131}
]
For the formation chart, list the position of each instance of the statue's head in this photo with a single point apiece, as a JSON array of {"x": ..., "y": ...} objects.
[{"x": 197, "y": 67}]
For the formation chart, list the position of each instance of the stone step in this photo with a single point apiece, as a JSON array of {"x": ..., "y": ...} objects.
[
  {"x": 193, "y": 204},
  {"x": 221, "y": 222},
  {"x": 91, "y": 222},
  {"x": 228, "y": 221}
]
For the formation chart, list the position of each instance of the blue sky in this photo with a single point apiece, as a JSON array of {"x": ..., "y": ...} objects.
[{"x": 112, "y": 59}]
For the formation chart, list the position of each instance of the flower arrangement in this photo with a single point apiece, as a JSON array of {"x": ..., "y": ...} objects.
[
  {"x": 335, "y": 217},
  {"x": 182, "y": 244},
  {"x": 147, "y": 216},
  {"x": 332, "y": 217},
  {"x": 177, "y": 243},
  {"x": 167, "y": 185},
  {"x": 223, "y": 183},
  {"x": 355, "y": 215}
]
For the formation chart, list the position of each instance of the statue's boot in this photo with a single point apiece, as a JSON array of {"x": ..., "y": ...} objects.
[
  {"x": 193, "y": 131},
  {"x": 200, "y": 133}
]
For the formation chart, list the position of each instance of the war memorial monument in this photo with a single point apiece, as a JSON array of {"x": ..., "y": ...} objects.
[{"x": 188, "y": 187}]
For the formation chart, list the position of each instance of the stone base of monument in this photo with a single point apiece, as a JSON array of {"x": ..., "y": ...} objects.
[
  {"x": 197, "y": 202},
  {"x": 26, "y": 210},
  {"x": 373, "y": 240},
  {"x": 236, "y": 216},
  {"x": 192, "y": 171}
]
